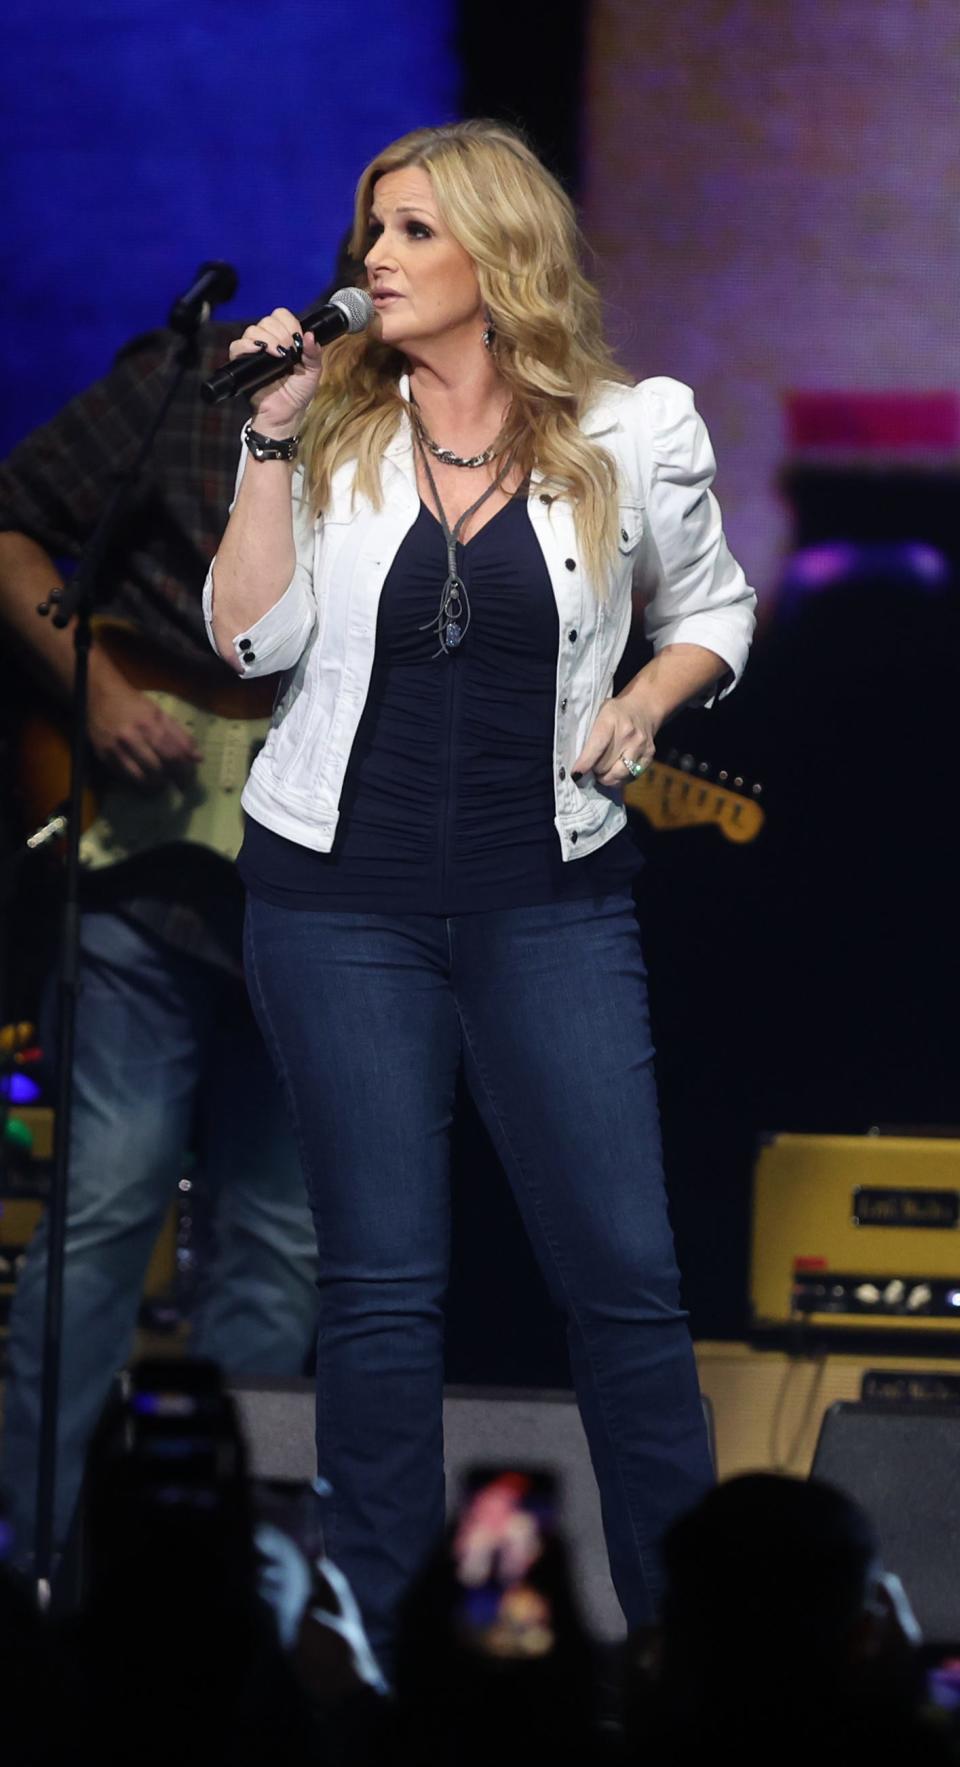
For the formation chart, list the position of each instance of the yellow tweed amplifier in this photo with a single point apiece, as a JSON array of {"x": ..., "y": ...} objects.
[{"x": 858, "y": 1231}]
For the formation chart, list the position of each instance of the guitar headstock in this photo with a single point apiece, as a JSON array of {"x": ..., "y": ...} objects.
[{"x": 681, "y": 792}]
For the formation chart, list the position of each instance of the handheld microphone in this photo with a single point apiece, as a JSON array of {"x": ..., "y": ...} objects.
[
  {"x": 214, "y": 283},
  {"x": 350, "y": 309}
]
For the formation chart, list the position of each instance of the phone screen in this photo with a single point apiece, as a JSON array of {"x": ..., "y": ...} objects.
[{"x": 507, "y": 1519}]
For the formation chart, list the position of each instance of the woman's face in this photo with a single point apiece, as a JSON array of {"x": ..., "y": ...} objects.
[{"x": 422, "y": 282}]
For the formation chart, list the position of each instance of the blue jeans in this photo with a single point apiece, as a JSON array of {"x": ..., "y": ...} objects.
[
  {"x": 367, "y": 1017},
  {"x": 168, "y": 1054}
]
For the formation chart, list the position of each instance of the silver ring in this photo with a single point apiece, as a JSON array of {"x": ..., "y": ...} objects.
[{"x": 634, "y": 768}]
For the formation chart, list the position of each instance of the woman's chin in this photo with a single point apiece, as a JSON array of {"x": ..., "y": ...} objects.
[{"x": 391, "y": 331}]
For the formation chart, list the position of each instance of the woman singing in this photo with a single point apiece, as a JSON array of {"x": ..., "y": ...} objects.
[{"x": 435, "y": 538}]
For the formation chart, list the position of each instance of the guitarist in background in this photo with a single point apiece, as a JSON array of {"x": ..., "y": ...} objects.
[{"x": 167, "y": 1055}]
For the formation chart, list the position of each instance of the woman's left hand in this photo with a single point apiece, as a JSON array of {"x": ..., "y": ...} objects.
[{"x": 623, "y": 730}]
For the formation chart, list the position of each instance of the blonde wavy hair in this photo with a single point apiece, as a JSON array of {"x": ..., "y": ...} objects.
[{"x": 519, "y": 228}]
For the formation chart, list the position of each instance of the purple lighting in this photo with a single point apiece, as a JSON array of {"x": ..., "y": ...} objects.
[
  {"x": 19, "y": 1089},
  {"x": 910, "y": 564}
]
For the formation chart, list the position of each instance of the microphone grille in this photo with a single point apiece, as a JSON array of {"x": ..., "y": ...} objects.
[{"x": 357, "y": 305}]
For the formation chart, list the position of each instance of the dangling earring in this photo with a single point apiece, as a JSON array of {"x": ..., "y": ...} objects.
[{"x": 488, "y": 334}]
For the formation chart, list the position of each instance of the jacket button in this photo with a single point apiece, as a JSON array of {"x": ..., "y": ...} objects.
[
  {"x": 574, "y": 838},
  {"x": 563, "y": 705},
  {"x": 249, "y": 656},
  {"x": 563, "y": 773},
  {"x": 570, "y": 563},
  {"x": 244, "y": 643},
  {"x": 546, "y": 498},
  {"x": 623, "y": 533},
  {"x": 572, "y": 637}
]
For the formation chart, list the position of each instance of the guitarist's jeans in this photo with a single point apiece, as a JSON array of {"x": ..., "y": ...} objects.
[
  {"x": 168, "y": 1056},
  {"x": 367, "y": 1017}
]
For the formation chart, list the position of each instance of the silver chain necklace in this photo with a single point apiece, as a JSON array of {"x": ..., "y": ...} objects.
[
  {"x": 447, "y": 455},
  {"x": 453, "y": 616}
]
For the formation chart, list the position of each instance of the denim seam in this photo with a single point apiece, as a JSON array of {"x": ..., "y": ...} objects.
[
  {"x": 558, "y": 1266},
  {"x": 331, "y": 1510}
]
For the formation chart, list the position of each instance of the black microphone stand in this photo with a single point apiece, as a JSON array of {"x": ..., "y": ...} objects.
[{"x": 78, "y": 600}]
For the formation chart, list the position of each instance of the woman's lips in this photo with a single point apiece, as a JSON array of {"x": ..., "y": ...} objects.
[{"x": 383, "y": 295}]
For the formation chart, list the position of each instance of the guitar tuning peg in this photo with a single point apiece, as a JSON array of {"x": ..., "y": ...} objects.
[
  {"x": 757, "y": 789},
  {"x": 723, "y": 776},
  {"x": 687, "y": 763},
  {"x": 704, "y": 767},
  {"x": 738, "y": 783},
  {"x": 673, "y": 757}
]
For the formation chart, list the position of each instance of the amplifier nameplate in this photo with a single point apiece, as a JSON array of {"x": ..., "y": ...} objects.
[
  {"x": 894, "y": 1387},
  {"x": 875, "y": 1206}
]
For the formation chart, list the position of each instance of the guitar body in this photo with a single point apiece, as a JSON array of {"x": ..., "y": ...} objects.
[{"x": 228, "y": 719}]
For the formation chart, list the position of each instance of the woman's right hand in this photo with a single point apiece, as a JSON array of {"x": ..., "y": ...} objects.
[{"x": 280, "y": 407}]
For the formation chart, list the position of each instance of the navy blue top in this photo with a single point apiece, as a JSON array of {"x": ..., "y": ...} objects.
[{"x": 448, "y": 801}]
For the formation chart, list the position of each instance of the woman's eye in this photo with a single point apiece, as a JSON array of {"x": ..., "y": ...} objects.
[{"x": 413, "y": 230}]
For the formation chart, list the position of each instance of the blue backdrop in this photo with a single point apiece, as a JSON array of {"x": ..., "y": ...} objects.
[{"x": 143, "y": 136}]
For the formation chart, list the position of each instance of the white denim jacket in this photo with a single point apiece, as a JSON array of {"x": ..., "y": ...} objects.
[{"x": 321, "y": 633}]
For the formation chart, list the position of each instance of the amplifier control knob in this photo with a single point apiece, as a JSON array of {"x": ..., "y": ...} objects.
[
  {"x": 867, "y": 1293},
  {"x": 920, "y": 1296},
  {"x": 894, "y": 1292}
]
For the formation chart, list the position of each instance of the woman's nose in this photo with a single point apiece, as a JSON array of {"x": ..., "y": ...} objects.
[{"x": 376, "y": 257}]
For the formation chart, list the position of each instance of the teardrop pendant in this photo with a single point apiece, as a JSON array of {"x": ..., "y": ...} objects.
[
  {"x": 454, "y": 612},
  {"x": 453, "y": 617}
]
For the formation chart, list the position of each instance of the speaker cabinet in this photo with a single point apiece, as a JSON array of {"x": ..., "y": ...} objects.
[
  {"x": 768, "y": 1404},
  {"x": 902, "y": 1464},
  {"x": 278, "y": 1421}
]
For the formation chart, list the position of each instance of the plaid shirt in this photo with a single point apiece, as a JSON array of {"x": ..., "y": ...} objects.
[
  {"x": 55, "y": 483},
  {"x": 53, "y": 487}
]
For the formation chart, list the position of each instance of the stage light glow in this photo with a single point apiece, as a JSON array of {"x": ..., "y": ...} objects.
[{"x": 19, "y": 1089}]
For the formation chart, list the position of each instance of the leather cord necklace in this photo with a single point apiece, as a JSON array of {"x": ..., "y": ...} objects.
[{"x": 453, "y": 617}]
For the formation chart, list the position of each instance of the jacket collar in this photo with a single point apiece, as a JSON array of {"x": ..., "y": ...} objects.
[{"x": 399, "y": 449}]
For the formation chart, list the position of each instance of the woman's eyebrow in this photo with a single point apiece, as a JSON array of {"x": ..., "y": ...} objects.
[{"x": 416, "y": 209}]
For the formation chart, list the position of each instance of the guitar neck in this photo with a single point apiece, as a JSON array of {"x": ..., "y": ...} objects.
[{"x": 678, "y": 797}]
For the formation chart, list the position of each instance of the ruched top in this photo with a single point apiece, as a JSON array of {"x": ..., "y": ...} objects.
[{"x": 448, "y": 803}]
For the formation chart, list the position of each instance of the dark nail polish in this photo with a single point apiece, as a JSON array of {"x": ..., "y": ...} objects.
[
  {"x": 283, "y": 350},
  {"x": 576, "y": 777},
  {"x": 298, "y": 340},
  {"x": 259, "y": 344}
]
